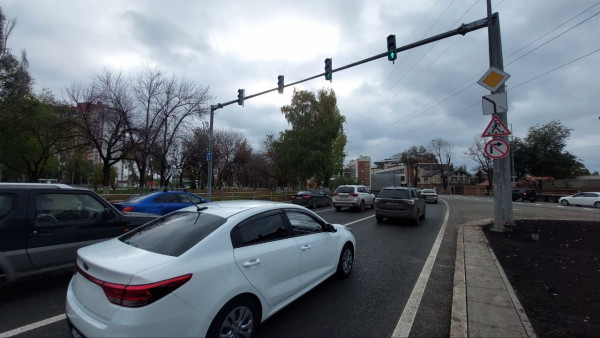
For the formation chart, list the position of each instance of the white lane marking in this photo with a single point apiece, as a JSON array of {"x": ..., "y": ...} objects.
[
  {"x": 360, "y": 220},
  {"x": 32, "y": 326},
  {"x": 410, "y": 309}
]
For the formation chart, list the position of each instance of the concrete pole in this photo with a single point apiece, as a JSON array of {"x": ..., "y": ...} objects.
[{"x": 503, "y": 211}]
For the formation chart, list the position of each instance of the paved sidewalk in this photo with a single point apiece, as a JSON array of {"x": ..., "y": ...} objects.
[{"x": 484, "y": 303}]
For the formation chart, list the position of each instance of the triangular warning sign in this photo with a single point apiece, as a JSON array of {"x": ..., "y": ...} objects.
[{"x": 495, "y": 128}]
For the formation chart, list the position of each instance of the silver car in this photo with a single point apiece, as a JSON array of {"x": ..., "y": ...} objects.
[
  {"x": 429, "y": 195},
  {"x": 399, "y": 202}
]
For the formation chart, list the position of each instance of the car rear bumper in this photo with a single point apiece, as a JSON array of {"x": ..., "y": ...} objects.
[
  {"x": 388, "y": 213},
  {"x": 146, "y": 321}
]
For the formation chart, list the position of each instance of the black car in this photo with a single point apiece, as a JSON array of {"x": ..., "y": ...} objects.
[
  {"x": 523, "y": 194},
  {"x": 43, "y": 225},
  {"x": 312, "y": 198}
]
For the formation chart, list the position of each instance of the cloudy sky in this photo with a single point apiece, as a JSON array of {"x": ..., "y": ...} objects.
[{"x": 551, "y": 50}]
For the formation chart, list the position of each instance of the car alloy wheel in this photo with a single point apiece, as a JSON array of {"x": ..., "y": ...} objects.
[
  {"x": 346, "y": 261},
  {"x": 362, "y": 206},
  {"x": 597, "y": 205},
  {"x": 564, "y": 202},
  {"x": 238, "y": 318}
]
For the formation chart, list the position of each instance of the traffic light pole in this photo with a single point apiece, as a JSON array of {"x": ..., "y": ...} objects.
[
  {"x": 503, "y": 211},
  {"x": 462, "y": 30}
]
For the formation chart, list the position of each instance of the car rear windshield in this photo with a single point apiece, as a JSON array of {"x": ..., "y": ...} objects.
[
  {"x": 175, "y": 233},
  {"x": 347, "y": 190},
  {"x": 429, "y": 191},
  {"x": 394, "y": 193}
]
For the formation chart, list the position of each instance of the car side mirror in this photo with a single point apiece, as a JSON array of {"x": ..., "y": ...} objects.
[
  {"x": 330, "y": 228},
  {"x": 106, "y": 215}
]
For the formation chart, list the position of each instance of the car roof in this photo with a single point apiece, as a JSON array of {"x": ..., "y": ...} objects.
[
  {"x": 230, "y": 208},
  {"x": 15, "y": 185}
]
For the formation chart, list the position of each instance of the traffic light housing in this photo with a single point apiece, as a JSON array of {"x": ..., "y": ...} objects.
[
  {"x": 328, "y": 69},
  {"x": 241, "y": 95},
  {"x": 280, "y": 84},
  {"x": 391, "y": 47}
]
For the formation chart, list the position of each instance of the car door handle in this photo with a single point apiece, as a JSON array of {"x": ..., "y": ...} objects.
[
  {"x": 251, "y": 262},
  {"x": 305, "y": 247}
]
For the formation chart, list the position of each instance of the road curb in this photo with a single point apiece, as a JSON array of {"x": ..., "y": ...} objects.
[
  {"x": 459, "y": 321},
  {"x": 513, "y": 296}
]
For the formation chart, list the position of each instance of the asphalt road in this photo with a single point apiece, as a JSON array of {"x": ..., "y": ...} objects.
[{"x": 389, "y": 261}]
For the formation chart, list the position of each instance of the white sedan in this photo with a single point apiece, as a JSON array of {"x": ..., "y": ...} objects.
[
  {"x": 582, "y": 198},
  {"x": 218, "y": 269}
]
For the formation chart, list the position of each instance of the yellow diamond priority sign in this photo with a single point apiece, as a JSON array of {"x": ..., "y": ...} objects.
[{"x": 493, "y": 79}]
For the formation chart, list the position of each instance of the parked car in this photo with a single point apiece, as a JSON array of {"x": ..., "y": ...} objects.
[
  {"x": 429, "y": 195},
  {"x": 399, "y": 203},
  {"x": 43, "y": 225},
  {"x": 582, "y": 198},
  {"x": 312, "y": 198},
  {"x": 160, "y": 202},
  {"x": 219, "y": 269},
  {"x": 353, "y": 196},
  {"x": 523, "y": 194}
]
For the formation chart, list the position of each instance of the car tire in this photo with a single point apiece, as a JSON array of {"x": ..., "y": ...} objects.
[
  {"x": 424, "y": 210},
  {"x": 597, "y": 205},
  {"x": 564, "y": 203},
  {"x": 346, "y": 261},
  {"x": 520, "y": 199},
  {"x": 362, "y": 206},
  {"x": 329, "y": 202},
  {"x": 417, "y": 220},
  {"x": 379, "y": 219},
  {"x": 238, "y": 317},
  {"x": 313, "y": 204},
  {"x": 338, "y": 208}
]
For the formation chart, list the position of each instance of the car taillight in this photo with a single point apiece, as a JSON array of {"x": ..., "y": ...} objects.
[
  {"x": 130, "y": 209},
  {"x": 335, "y": 194},
  {"x": 306, "y": 197},
  {"x": 136, "y": 295},
  {"x": 353, "y": 194},
  {"x": 293, "y": 197}
]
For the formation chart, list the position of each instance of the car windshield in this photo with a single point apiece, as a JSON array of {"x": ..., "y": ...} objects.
[
  {"x": 347, "y": 190},
  {"x": 394, "y": 193},
  {"x": 429, "y": 191},
  {"x": 175, "y": 233}
]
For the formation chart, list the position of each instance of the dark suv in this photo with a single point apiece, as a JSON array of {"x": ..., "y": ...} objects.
[
  {"x": 523, "y": 194},
  {"x": 399, "y": 202},
  {"x": 43, "y": 225}
]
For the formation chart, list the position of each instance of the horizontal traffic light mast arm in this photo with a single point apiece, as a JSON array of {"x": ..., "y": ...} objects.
[{"x": 462, "y": 30}]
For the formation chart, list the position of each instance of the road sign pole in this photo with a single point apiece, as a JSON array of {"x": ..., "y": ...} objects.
[{"x": 503, "y": 212}]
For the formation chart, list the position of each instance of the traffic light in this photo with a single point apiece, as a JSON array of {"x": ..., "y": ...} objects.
[
  {"x": 280, "y": 84},
  {"x": 391, "y": 47},
  {"x": 241, "y": 94},
  {"x": 328, "y": 70}
]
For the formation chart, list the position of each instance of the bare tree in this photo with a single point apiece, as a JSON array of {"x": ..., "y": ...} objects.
[
  {"x": 102, "y": 117},
  {"x": 163, "y": 108},
  {"x": 485, "y": 164},
  {"x": 443, "y": 157}
]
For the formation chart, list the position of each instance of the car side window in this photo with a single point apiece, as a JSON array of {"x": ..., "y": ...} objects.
[
  {"x": 166, "y": 198},
  {"x": 7, "y": 204},
  {"x": 259, "y": 230},
  {"x": 51, "y": 208},
  {"x": 302, "y": 223}
]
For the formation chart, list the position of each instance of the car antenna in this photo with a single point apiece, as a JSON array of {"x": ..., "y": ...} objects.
[{"x": 198, "y": 208}]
